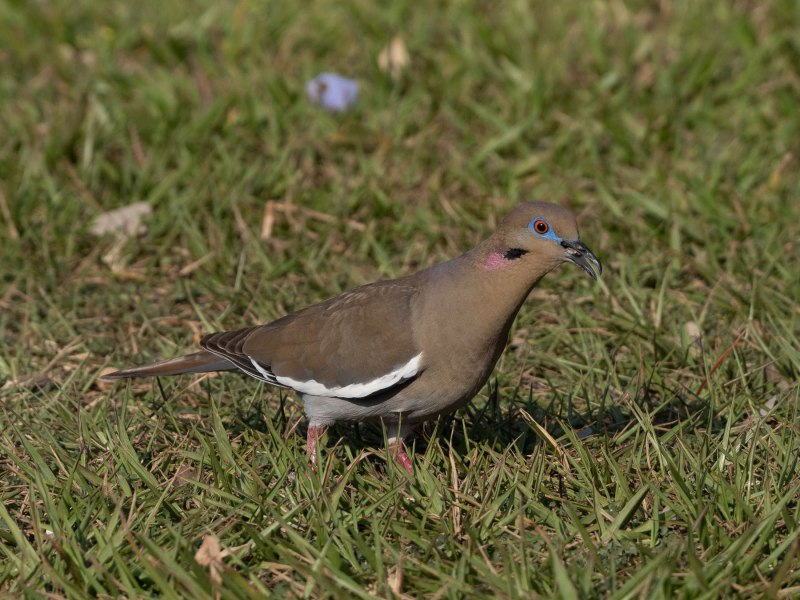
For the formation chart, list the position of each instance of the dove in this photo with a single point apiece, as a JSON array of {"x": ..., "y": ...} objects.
[{"x": 405, "y": 350}]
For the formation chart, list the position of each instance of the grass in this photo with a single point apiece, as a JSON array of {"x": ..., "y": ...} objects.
[{"x": 639, "y": 438}]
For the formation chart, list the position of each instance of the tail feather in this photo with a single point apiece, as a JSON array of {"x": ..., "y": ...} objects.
[{"x": 198, "y": 362}]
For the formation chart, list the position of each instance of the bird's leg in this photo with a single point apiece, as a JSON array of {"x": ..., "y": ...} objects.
[
  {"x": 401, "y": 456},
  {"x": 315, "y": 432},
  {"x": 397, "y": 448}
]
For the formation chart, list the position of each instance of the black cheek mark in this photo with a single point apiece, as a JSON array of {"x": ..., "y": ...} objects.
[{"x": 514, "y": 253}]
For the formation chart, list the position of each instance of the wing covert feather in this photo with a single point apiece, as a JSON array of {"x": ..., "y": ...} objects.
[{"x": 355, "y": 338}]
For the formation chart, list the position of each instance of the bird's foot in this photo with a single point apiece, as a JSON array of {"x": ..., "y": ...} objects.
[{"x": 315, "y": 433}]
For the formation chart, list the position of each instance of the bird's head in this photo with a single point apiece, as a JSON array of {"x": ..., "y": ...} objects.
[{"x": 544, "y": 233}]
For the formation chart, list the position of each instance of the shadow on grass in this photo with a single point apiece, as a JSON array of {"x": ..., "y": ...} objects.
[{"x": 498, "y": 423}]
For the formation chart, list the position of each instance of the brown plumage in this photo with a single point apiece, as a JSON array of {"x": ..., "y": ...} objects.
[{"x": 405, "y": 350}]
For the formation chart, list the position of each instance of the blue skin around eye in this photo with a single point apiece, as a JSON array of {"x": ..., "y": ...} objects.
[{"x": 550, "y": 235}]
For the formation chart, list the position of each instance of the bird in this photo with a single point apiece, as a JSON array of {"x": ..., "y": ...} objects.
[{"x": 399, "y": 351}]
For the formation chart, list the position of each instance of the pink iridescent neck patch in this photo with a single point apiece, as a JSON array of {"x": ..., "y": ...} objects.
[{"x": 495, "y": 261}]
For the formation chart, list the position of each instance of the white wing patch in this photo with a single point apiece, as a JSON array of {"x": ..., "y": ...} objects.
[
  {"x": 267, "y": 376},
  {"x": 354, "y": 390}
]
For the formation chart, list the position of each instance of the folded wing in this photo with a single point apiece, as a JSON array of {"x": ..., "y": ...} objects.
[{"x": 355, "y": 345}]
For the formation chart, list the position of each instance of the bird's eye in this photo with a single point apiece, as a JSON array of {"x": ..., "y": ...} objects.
[{"x": 541, "y": 226}]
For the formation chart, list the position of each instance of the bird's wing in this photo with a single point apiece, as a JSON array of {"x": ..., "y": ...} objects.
[{"x": 355, "y": 345}]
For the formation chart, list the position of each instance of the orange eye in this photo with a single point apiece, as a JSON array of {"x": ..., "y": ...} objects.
[{"x": 541, "y": 226}]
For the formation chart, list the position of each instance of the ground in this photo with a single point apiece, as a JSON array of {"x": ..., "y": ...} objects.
[{"x": 639, "y": 437}]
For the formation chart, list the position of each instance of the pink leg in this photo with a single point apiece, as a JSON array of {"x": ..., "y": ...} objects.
[
  {"x": 315, "y": 432},
  {"x": 397, "y": 448}
]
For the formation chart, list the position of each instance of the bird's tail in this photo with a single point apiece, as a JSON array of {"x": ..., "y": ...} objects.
[{"x": 199, "y": 362}]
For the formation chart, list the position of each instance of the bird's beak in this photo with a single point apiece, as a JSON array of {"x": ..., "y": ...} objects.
[{"x": 578, "y": 253}]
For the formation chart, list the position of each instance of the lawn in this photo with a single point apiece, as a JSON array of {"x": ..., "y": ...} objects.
[{"x": 640, "y": 437}]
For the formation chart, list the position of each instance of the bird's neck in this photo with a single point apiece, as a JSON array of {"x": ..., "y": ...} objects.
[
  {"x": 512, "y": 272},
  {"x": 487, "y": 283},
  {"x": 473, "y": 303}
]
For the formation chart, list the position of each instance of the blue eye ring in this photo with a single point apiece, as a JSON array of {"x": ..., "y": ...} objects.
[{"x": 542, "y": 228}]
